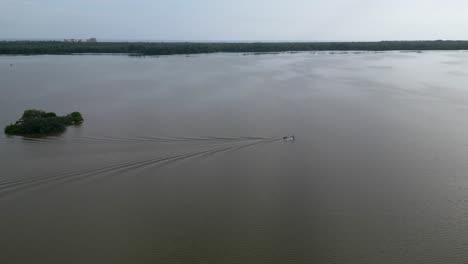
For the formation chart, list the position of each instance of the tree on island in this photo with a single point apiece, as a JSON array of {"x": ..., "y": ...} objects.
[{"x": 39, "y": 122}]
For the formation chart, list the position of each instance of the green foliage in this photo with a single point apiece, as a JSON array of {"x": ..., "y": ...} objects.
[
  {"x": 168, "y": 48},
  {"x": 12, "y": 129},
  {"x": 42, "y": 126},
  {"x": 76, "y": 117},
  {"x": 33, "y": 113},
  {"x": 38, "y": 122}
]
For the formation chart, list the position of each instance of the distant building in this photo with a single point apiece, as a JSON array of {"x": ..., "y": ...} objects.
[{"x": 90, "y": 40}]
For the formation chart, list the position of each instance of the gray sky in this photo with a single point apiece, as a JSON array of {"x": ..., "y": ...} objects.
[{"x": 211, "y": 20}]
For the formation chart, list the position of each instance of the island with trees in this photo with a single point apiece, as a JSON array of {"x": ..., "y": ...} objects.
[
  {"x": 170, "y": 48},
  {"x": 38, "y": 122}
]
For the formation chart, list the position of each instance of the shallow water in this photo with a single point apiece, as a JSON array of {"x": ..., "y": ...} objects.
[{"x": 180, "y": 159}]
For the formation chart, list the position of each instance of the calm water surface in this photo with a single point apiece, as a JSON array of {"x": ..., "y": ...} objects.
[{"x": 179, "y": 160}]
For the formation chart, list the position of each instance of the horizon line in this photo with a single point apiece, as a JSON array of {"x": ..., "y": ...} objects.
[{"x": 223, "y": 41}]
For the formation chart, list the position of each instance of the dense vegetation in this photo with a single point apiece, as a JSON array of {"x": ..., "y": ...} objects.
[
  {"x": 166, "y": 48},
  {"x": 38, "y": 122}
]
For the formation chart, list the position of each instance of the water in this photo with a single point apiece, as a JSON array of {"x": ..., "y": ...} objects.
[{"x": 179, "y": 160}]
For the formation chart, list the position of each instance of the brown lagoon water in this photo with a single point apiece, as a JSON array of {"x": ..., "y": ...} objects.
[{"x": 179, "y": 160}]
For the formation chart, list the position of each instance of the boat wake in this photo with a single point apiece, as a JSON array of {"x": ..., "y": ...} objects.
[
  {"x": 139, "y": 139},
  {"x": 14, "y": 185}
]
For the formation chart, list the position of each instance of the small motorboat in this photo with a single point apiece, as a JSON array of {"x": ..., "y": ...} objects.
[{"x": 289, "y": 138}]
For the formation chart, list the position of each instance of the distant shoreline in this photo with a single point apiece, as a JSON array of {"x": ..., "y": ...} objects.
[{"x": 173, "y": 48}]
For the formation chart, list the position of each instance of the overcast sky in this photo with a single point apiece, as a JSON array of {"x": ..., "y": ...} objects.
[{"x": 235, "y": 20}]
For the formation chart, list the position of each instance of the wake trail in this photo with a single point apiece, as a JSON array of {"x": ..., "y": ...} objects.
[
  {"x": 38, "y": 181},
  {"x": 10, "y": 181},
  {"x": 152, "y": 163},
  {"x": 143, "y": 139},
  {"x": 174, "y": 159},
  {"x": 12, "y": 186}
]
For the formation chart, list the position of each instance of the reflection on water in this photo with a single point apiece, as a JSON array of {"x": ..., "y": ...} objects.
[{"x": 181, "y": 159}]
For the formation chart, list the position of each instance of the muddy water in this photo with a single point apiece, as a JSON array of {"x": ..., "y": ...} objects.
[{"x": 179, "y": 160}]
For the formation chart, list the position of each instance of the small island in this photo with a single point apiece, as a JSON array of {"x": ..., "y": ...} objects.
[{"x": 38, "y": 123}]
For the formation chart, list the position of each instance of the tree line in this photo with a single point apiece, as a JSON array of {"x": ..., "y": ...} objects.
[{"x": 170, "y": 48}]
